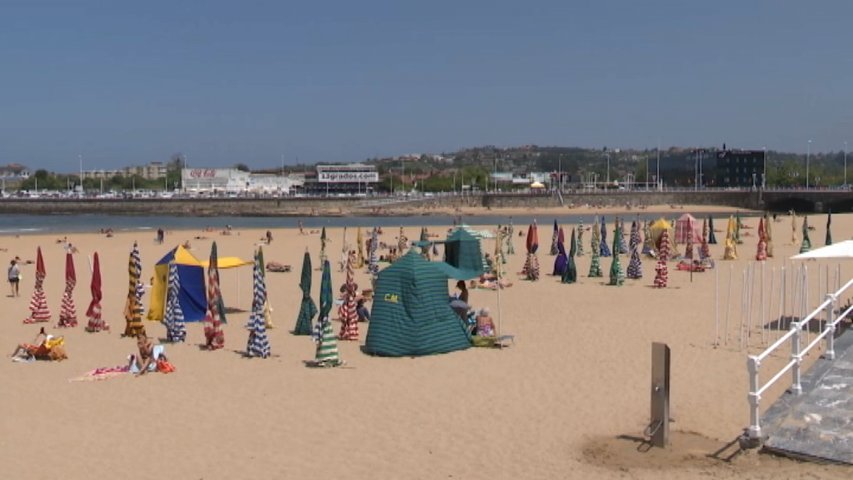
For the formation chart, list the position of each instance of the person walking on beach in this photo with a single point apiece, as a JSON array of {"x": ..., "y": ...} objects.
[
  {"x": 14, "y": 277},
  {"x": 161, "y": 235}
]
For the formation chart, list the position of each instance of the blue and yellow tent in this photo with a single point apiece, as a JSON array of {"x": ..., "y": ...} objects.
[{"x": 191, "y": 296}]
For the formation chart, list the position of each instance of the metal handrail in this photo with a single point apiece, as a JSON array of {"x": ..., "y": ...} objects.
[{"x": 753, "y": 362}]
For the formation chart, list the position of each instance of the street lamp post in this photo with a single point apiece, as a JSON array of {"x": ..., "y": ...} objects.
[
  {"x": 808, "y": 157},
  {"x": 845, "y": 164},
  {"x": 764, "y": 175},
  {"x": 608, "y": 168},
  {"x": 657, "y": 177}
]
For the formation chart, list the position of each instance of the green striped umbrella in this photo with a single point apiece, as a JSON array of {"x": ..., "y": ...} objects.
[
  {"x": 307, "y": 308},
  {"x": 327, "y": 343}
]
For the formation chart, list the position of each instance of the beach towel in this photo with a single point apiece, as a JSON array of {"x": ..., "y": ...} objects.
[{"x": 103, "y": 373}]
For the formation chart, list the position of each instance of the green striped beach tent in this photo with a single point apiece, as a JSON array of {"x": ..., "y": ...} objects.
[
  {"x": 462, "y": 250},
  {"x": 411, "y": 314}
]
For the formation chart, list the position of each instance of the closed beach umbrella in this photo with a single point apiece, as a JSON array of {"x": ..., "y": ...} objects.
[
  {"x": 580, "y": 249},
  {"x": 635, "y": 265},
  {"x": 738, "y": 224},
  {"x": 307, "y": 308},
  {"x": 688, "y": 249},
  {"x": 531, "y": 265},
  {"x": 648, "y": 240},
  {"x": 39, "y": 311},
  {"x": 510, "y": 250},
  {"x": 623, "y": 245},
  {"x": 570, "y": 275},
  {"x": 603, "y": 249},
  {"x": 359, "y": 240},
  {"x": 712, "y": 238},
  {"x": 372, "y": 259},
  {"x": 768, "y": 235},
  {"x": 616, "y": 274},
  {"x": 215, "y": 316},
  {"x": 807, "y": 243},
  {"x": 133, "y": 305},
  {"x": 258, "y": 344},
  {"x": 68, "y": 311},
  {"x": 554, "y": 250},
  {"x": 761, "y": 249},
  {"x": 96, "y": 323},
  {"x": 402, "y": 241},
  {"x": 828, "y": 239},
  {"x": 561, "y": 260},
  {"x": 730, "y": 252},
  {"x": 635, "y": 236},
  {"x": 326, "y": 354},
  {"x": 173, "y": 318},
  {"x": 267, "y": 308},
  {"x": 595, "y": 261},
  {"x": 349, "y": 315},
  {"x": 661, "y": 269},
  {"x": 323, "y": 246}
]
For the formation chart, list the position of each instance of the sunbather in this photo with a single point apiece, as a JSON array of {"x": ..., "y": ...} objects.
[{"x": 44, "y": 347}]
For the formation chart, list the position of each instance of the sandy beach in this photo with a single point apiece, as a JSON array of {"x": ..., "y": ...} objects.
[{"x": 561, "y": 402}]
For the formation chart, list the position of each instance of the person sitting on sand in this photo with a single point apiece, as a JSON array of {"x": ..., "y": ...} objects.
[
  {"x": 363, "y": 313},
  {"x": 146, "y": 358},
  {"x": 485, "y": 324},
  {"x": 462, "y": 294},
  {"x": 269, "y": 237}
]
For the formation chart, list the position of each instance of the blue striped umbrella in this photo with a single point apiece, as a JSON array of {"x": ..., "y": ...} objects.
[
  {"x": 258, "y": 344},
  {"x": 372, "y": 259},
  {"x": 173, "y": 318},
  {"x": 603, "y": 249}
]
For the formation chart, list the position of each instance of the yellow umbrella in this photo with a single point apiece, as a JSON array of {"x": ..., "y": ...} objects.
[
  {"x": 359, "y": 262},
  {"x": 731, "y": 243}
]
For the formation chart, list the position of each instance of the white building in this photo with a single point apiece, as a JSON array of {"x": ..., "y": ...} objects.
[{"x": 231, "y": 180}]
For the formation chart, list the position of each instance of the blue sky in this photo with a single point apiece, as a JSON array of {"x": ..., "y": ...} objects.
[{"x": 124, "y": 83}]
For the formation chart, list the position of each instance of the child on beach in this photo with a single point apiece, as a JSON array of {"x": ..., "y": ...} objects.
[{"x": 14, "y": 275}]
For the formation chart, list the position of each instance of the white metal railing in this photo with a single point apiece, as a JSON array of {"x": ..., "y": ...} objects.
[{"x": 754, "y": 361}]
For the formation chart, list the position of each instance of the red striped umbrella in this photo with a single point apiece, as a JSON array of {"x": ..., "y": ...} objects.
[
  {"x": 214, "y": 336},
  {"x": 39, "y": 311},
  {"x": 68, "y": 312},
  {"x": 349, "y": 315},
  {"x": 96, "y": 323}
]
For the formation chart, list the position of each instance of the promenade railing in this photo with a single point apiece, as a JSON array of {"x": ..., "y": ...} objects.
[{"x": 794, "y": 335}]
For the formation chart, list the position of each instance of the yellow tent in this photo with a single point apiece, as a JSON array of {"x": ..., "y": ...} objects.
[{"x": 227, "y": 262}]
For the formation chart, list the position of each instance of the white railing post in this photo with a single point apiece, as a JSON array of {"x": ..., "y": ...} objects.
[
  {"x": 754, "y": 431},
  {"x": 830, "y": 325},
  {"x": 796, "y": 387}
]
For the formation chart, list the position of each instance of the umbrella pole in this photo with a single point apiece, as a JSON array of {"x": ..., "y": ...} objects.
[
  {"x": 728, "y": 304},
  {"x": 763, "y": 310},
  {"x": 238, "y": 291},
  {"x": 716, "y": 307}
]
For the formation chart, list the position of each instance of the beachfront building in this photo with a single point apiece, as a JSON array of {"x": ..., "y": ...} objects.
[
  {"x": 350, "y": 179},
  {"x": 151, "y": 171},
  {"x": 234, "y": 181},
  {"x": 740, "y": 168}
]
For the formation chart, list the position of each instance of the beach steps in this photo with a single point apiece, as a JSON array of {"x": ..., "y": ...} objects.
[{"x": 818, "y": 424}]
